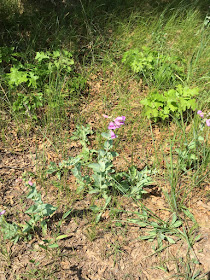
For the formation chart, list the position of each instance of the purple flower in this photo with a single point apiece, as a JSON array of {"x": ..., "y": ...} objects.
[
  {"x": 208, "y": 122},
  {"x": 200, "y": 113},
  {"x": 113, "y": 136},
  {"x": 116, "y": 124},
  {"x": 30, "y": 183},
  {"x": 119, "y": 121},
  {"x": 2, "y": 212},
  {"x": 112, "y": 126}
]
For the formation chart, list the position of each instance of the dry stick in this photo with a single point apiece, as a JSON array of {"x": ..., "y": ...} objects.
[{"x": 14, "y": 167}]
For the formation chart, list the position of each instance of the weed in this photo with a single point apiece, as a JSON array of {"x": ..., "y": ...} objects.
[
  {"x": 186, "y": 269},
  {"x": 37, "y": 213},
  {"x": 171, "y": 103},
  {"x": 157, "y": 68},
  {"x": 38, "y": 81},
  {"x": 159, "y": 230}
]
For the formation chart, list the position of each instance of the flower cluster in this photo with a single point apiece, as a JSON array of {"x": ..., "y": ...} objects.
[
  {"x": 115, "y": 124},
  {"x": 202, "y": 115}
]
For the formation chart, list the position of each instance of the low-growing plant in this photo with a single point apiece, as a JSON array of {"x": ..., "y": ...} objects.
[
  {"x": 159, "y": 229},
  {"x": 101, "y": 181},
  {"x": 163, "y": 231},
  {"x": 158, "y": 106},
  {"x": 81, "y": 134},
  {"x": 186, "y": 269},
  {"x": 84, "y": 157},
  {"x": 37, "y": 213},
  {"x": 134, "y": 181},
  {"x": 28, "y": 104},
  {"x": 158, "y": 68},
  {"x": 47, "y": 65}
]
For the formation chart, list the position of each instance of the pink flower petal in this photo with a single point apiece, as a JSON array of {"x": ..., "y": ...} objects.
[
  {"x": 200, "y": 113},
  {"x": 208, "y": 122},
  {"x": 2, "y": 212},
  {"x": 113, "y": 136},
  {"x": 105, "y": 116},
  {"x": 120, "y": 121},
  {"x": 112, "y": 125},
  {"x": 30, "y": 183}
]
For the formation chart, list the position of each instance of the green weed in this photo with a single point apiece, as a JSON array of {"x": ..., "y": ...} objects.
[{"x": 171, "y": 103}]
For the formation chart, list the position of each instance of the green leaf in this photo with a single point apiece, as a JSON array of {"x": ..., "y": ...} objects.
[
  {"x": 138, "y": 222},
  {"x": 177, "y": 224},
  {"x": 95, "y": 166},
  {"x": 65, "y": 215},
  {"x": 43, "y": 246},
  {"x": 41, "y": 55},
  {"x": 55, "y": 245},
  {"x": 106, "y": 135},
  {"x": 44, "y": 227},
  {"x": 16, "y": 76},
  {"x": 170, "y": 240},
  {"x": 61, "y": 237},
  {"x": 48, "y": 209}
]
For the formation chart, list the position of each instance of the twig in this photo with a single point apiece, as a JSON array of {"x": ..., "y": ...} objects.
[{"x": 12, "y": 167}]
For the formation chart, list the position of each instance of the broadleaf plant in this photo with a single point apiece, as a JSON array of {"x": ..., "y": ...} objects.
[
  {"x": 39, "y": 213},
  {"x": 156, "y": 67},
  {"x": 174, "y": 102}
]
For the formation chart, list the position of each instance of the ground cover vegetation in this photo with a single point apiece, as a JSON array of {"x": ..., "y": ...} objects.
[{"x": 104, "y": 145}]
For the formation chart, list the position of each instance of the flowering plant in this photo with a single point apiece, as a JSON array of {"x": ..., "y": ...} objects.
[
  {"x": 117, "y": 123},
  {"x": 204, "y": 116}
]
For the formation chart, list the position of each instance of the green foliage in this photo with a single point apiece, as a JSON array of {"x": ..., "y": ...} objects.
[
  {"x": 159, "y": 230},
  {"x": 158, "y": 68},
  {"x": 37, "y": 213},
  {"x": 189, "y": 156},
  {"x": 139, "y": 61},
  {"x": 174, "y": 102},
  {"x": 10, "y": 230},
  {"x": 28, "y": 103},
  {"x": 134, "y": 181},
  {"x": 48, "y": 80},
  {"x": 103, "y": 180},
  {"x": 7, "y": 54},
  {"x": 47, "y": 65},
  {"x": 63, "y": 166},
  {"x": 81, "y": 134},
  {"x": 194, "y": 153}
]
